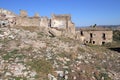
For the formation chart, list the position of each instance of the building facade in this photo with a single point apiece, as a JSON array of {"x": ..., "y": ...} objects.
[{"x": 95, "y": 36}]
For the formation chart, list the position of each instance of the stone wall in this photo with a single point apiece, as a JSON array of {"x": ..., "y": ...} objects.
[
  {"x": 27, "y": 21},
  {"x": 44, "y": 22},
  {"x": 60, "y": 21},
  {"x": 24, "y": 20},
  {"x": 63, "y": 23},
  {"x": 71, "y": 27},
  {"x": 7, "y": 18},
  {"x": 59, "y": 25}
]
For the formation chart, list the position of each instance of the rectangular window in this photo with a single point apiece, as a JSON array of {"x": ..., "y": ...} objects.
[
  {"x": 104, "y": 36},
  {"x": 91, "y": 35}
]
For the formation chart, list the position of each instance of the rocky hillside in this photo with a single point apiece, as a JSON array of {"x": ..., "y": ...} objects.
[{"x": 27, "y": 54}]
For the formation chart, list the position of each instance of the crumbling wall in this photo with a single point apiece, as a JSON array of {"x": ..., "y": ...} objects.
[
  {"x": 44, "y": 22},
  {"x": 71, "y": 27},
  {"x": 63, "y": 23},
  {"x": 24, "y": 20},
  {"x": 27, "y": 21},
  {"x": 60, "y": 21},
  {"x": 7, "y": 18}
]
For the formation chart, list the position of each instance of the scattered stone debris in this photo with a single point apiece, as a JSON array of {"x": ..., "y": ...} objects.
[
  {"x": 20, "y": 48},
  {"x": 28, "y": 54}
]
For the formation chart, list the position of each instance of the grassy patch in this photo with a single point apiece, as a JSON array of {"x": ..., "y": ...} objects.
[
  {"x": 10, "y": 54},
  {"x": 19, "y": 78},
  {"x": 13, "y": 54},
  {"x": 66, "y": 39},
  {"x": 65, "y": 54},
  {"x": 41, "y": 34},
  {"x": 0, "y": 31},
  {"x": 99, "y": 76},
  {"x": 81, "y": 50},
  {"x": 106, "y": 77},
  {"x": 41, "y": 66}
]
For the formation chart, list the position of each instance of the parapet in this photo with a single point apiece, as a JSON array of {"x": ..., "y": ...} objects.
[
  {"x": 36, "y": 15},
  {"x": 23, "y": 13},
  {"x": 64, "y": 16}
]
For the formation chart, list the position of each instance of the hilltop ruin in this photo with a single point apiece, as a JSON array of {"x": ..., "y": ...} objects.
[
  {"x": 41, "y": 48},
  {"x": 57, "y": 25},
  {"x": 59, "y": 22}
]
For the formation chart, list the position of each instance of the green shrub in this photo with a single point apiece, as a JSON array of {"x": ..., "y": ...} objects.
[
  {"x": 106, "y": 77},
  {"x": 13, "y": 54},
  {"x": 116, "y": 35},
  {"x": 10, "y": 54},
  {"x": 100, "y": 75}
]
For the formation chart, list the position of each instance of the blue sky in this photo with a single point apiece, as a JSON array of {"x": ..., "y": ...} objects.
[{"x": 84, "y": 12}]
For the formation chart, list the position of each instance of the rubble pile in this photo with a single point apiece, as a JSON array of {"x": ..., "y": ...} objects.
[{"x": 26, "y": 55}]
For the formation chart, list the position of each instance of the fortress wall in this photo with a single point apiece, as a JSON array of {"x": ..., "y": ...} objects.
[
  {"x": 27, "y": 21},
  {"x": 44, "y": 22}
]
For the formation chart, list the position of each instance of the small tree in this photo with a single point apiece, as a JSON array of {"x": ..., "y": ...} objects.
[{"x": 94, "y": 25}]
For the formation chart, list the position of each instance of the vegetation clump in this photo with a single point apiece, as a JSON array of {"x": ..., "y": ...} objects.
[{"x": 41, "y": 66}]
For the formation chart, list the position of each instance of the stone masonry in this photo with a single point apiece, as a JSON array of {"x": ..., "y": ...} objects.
[
  {"x": 63, "y": 23},
  {"x": 57, "y": 25},
  {"x": 7, "y": 18},
  {"x": 95, "y": 36}
]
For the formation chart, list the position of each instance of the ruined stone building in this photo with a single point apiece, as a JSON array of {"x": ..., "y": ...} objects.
[
  {"x": 63, "y": 22},
  {"x": 96, "y": 36},
  {"x": 57, "y": 25},
  {"x": 24, "y": 20}
]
